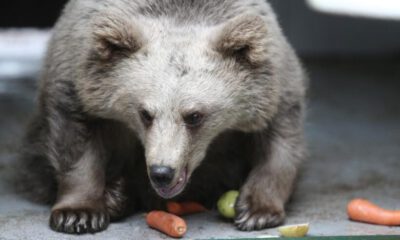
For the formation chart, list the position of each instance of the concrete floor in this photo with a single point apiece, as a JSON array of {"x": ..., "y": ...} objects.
[{"x": 354, "y": 140}]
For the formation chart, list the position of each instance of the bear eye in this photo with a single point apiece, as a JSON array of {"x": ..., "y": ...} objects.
[
  {"x": 193, "y": 120},
  {"x": 146, "y": 117}
]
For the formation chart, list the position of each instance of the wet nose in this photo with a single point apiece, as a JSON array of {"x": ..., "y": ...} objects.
[{"x": 161, "y": 175}]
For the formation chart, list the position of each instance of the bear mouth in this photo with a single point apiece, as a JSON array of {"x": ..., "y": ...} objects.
[{"x": 174, "y": 189}]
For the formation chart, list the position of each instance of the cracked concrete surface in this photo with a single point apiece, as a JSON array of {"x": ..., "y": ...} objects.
[{"x": 354, "y": 140}]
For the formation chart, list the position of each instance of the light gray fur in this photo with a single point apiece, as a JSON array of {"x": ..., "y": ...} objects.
[{"x": 109, "y": 59}]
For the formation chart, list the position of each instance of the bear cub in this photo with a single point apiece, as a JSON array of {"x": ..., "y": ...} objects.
[{"x": 145, "y": 100}]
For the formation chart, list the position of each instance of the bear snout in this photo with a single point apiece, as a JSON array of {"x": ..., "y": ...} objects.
[
  {"x": 166, "y": 181},
  {"x": 161, "y": 176}
]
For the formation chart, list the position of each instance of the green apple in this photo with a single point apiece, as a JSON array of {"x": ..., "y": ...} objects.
[
  {"x": 299, "y": 230},
  {"x": 226, "y": 204}
]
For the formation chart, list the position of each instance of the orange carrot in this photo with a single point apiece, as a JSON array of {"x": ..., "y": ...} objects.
[
  {"x": 364, "y": 211},
  {"x": 167, "y": 223},
  {"x": 185, "y": 208}
]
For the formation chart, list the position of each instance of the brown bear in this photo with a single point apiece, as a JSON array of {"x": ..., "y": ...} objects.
[{"x": 146, "y": 100}]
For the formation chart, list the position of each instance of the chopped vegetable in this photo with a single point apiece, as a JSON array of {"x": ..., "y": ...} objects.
[
  {"x": 364, "y": 211},
  {"x": 226, "y": 204},
  {"x": 299, "y": 230},
  {"x": 167, "y": 223},
  {"x": 184, "y": 208}
]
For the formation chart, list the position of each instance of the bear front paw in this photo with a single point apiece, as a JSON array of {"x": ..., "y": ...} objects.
[
  {"x": 79, "y": 221},
  {"x": 252, "y": 214}
]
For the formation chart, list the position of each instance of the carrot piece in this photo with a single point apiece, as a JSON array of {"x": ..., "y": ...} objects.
[
  {"x": 167, "y": 223},
  {"x": 184, "y": 208},
  {"x": 364, "y": 211}
]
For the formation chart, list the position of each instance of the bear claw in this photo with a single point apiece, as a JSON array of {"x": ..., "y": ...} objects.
[
  {"x": 257, "y": 216},
  {"x": 78, "y": 221},
  {"x": 258, "y": 221}
]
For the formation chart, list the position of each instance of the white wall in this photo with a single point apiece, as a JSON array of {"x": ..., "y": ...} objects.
[{"x": 314, "y": 33}]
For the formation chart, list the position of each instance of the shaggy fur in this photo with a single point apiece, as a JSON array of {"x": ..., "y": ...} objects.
[{"x": 121, "y": 79}]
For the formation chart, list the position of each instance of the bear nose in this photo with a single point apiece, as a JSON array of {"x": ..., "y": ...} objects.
[{"x": 161, "y": 175}]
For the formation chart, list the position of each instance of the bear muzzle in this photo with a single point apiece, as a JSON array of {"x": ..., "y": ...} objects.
[{"x": 162, "y": 180}]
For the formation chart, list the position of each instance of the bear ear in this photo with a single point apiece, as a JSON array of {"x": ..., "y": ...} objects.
[
  {"x": 114, "y": 36},
  {"x": 245, "y": 38}
]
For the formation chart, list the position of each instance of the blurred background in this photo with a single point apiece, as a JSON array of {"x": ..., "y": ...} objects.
[
  {"x": 311, "y": 32},
  {"x": 351, "y": 52},
  {"x": 316, "y": 28}
]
